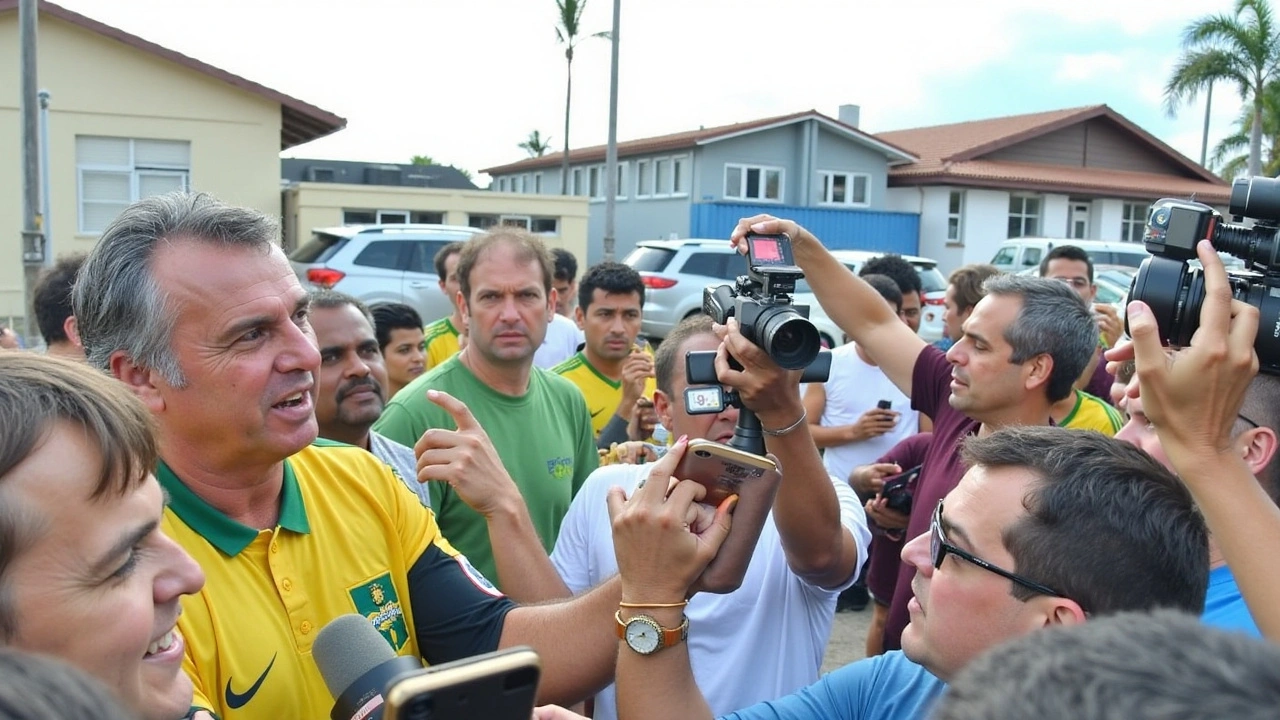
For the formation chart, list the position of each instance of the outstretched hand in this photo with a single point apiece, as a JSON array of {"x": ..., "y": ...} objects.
[{"x": 466, "y": 459}]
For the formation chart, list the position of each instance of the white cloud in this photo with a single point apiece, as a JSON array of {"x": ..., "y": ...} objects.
[{"x": 1081, "y": 68}]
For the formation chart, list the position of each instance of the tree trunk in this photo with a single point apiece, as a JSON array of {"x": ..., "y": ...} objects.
[
  {"x": 1255, "y": 135},
  {"x": 568, "y": 93}
]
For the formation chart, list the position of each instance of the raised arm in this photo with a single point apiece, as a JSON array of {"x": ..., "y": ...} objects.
[{"x": 848, "y": 300}]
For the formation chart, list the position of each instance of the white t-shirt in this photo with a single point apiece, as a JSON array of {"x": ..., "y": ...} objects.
[
  {"x": 762, "y": 641},
  {"x": 560, "y": 344},
  {"x": 853, "y": 388}
]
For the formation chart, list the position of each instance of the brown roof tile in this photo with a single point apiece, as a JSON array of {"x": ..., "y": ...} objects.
[{"x": 300, "y": 121}]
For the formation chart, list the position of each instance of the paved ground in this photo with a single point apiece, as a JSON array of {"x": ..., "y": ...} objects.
[{"x": 848, "y": 639}]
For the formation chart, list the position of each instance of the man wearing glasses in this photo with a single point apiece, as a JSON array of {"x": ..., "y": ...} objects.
[
  {"x": 1254, "y": 438},
  {"x": 1073, "y": 266},
  {"x": 1048, "y": 527}
]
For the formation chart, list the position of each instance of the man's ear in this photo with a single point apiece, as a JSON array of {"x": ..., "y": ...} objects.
[
  {"x": 1064, "y": 611},
  {"x": 1258, "y": 446},
  {"x": 72, "y": 329},
  {"x": 139, "y": 379},
  {"x": 579, "y": 317},
  {"x": 464, "y": 310},
  {"x": 661, "y": 405},
  {"x": 553, "y": 297},
  {"x": 1038, "y": 370}
]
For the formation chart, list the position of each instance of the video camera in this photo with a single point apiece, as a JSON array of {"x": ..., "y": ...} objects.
[
  {"x": 761, "y": 300},
  {"x": 1175, "y": 291}
]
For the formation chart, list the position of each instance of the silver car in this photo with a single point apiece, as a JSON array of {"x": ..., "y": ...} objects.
[{"x": 380, "y": 263}]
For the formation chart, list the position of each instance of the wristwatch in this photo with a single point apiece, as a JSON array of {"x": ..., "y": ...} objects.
[{"x": 646, "y": 636}]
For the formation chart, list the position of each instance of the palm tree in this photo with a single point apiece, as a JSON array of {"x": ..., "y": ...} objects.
[
  {"x": 1230, "y": 155},
  {"x": 567, "y": 35},
  {"x": 1241, "y": 49},
  {"x": 536, "y": 145}
]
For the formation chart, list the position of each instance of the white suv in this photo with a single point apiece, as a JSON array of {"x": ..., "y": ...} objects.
[{"x": 380, "y": 263}]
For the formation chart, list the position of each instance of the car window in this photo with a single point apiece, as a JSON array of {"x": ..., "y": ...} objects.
[
  {"x": 1030, "y": 257},
  {"x": 1003, "y": 257},
  {"x": 930, "y": 279},
  {"x": 723, "y": 265},
  {"x": 1128, "y": 259},
  {"x": 423, "y": 257},
  {"x": 1108, "y": 294},
  {"x": 381, "y": 254},
  {"x": 319, "y": 248},
  {"x": 649, "y": 259}
]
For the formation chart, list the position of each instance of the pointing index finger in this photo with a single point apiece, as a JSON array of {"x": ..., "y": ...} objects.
[{"x": 457, "y": 409}]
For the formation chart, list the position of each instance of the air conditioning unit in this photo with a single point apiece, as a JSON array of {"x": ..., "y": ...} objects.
[
  {"x": 382, "y": 175},
  {"x": 321, "y": 174}
]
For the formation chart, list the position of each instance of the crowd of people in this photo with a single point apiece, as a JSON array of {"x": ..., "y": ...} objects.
[{"x": 202, "y": 470}]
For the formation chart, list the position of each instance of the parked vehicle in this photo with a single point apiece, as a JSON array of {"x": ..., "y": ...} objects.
[
  {"x": 675, "y": 272},
  {"x": 380, "y": 263},
  {"x": 1020, "y": 254}
]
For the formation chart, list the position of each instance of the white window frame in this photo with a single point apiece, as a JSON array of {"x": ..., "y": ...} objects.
[
  {"x": 958, "y": 216},
  {"x": 1133, "y": 223},
  {"x": 407, "y": 216},
  {"x": 828, "y": 186},
  {"x": 644, "y": 179},
  {"x": 620, "y": 192},
  {"x": 677, "y": 189},
  {"x": 132, "y": 170},
  {"x": 537, "y": 183},
  {"x": 742, "y": 182},
  {"x": 576, "y": 181},
  {"x": 595, "y": 176},
  {"x": 502, "y": 184},
  {"x": 1024, "y": 215},
  {"x": 544, "y": 233}
]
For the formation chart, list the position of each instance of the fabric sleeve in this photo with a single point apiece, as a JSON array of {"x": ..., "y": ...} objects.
[
  {"x": 588, "y": 459},
  {"x": 200, "y": 698},
  {"x": 909, "y": 452},
  {"x": 931, "y": 382},
  {"x": 614, "y": 432},
  {"x": 839, "y": 694},
  {"x": 457, "y": 613},
  {"x": 400, "y": 424},
  {"x": 1101, "y": 380}
]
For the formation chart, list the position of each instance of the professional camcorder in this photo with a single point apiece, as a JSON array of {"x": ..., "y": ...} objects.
[
  {"x": 761, "y": 301},
  {"x": 1174, "y": 290}
]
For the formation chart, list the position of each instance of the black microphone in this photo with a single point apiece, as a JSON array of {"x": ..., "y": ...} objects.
[{"x": 357, "y": 664}]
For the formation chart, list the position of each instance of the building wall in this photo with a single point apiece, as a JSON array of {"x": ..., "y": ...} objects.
[
  {"x": 1109, "y": 214},
  {"x": 838, "y": 153},
  {"x": 104, "y": 87},
  {"x": 1096, "y": 143},
  {"x": 317, "y": 205}
]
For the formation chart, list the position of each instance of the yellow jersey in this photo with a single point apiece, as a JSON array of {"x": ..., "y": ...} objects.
[
  {"x": 441, "y": 338},
  {"x": 348, "y": 538},
  {"x": 601, "y": 393},
  {"x": 1093, "y": 413}
]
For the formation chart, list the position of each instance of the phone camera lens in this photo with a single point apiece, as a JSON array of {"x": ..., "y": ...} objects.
[{"x": 702, "y": 453}]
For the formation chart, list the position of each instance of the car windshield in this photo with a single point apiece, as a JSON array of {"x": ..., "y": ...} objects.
[
  {"x": 931, "y": 280},
  {"x": 649, "y": 259}
]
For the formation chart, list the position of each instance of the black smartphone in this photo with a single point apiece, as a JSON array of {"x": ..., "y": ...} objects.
[
  {"x": 898, "y": 490},
  {"x": 884, "y": 404},
  {"x": 500, "y": 685}
]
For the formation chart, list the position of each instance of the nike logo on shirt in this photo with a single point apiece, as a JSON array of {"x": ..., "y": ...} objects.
[{"x": 237, "y": 700}]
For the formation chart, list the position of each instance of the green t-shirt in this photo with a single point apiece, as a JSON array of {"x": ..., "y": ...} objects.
[{"x": 543, "y": 437}]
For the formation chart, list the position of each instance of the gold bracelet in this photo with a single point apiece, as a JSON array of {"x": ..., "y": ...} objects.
[
  {"x": 652, "y": 605},
  {"x": 804, "y": 415}
]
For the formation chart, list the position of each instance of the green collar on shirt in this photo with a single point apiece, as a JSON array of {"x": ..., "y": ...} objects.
[{"x": 221, "y": 531}]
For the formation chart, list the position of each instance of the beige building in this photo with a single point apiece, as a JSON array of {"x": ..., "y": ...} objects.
[
  {"x": 129, "y": 118},
  {"x": 561, "y": 220}
]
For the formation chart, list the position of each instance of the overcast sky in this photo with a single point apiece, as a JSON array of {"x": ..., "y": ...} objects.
[{"x": 465, "y": 81}]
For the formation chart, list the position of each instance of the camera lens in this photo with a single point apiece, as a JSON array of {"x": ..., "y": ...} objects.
[
  {"x": 1255, "y": 197},
  {"x": 702, "y": 453},
  {"x": 788, "y": 337}
]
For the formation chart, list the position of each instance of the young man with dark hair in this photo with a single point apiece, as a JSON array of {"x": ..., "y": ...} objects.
[
  {"x": 610, "y": 370},
  {"x": 402, "y": 343},
  {"x": 564, "y": 336},
  {"x": 565, "y": 281},
  {"x": 52, "y": 300},
  {"x": 964, "y": 290},
  {"x": 907, "y": 277},
  {"x": 441, "y": 336},
  {"x": 1073, "y": 266}
]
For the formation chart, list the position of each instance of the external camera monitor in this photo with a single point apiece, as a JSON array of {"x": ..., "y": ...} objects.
[{"x": 703, "y": 400}]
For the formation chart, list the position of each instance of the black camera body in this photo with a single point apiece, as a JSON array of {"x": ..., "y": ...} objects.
[
  {"x": 761, "y": 301},
  {"x": 1174, "y": 290}
]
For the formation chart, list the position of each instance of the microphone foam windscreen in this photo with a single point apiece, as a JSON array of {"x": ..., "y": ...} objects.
[{"x": 347, "y": 648}]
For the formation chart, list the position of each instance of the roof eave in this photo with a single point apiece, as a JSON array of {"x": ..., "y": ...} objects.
[{"x": 942, "y": 178}]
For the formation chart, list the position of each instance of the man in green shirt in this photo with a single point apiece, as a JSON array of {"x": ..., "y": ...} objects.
[{"x": 538, "y": 421}]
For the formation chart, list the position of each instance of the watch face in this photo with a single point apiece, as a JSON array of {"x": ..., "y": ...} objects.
[{"x": 642, "y": 637}]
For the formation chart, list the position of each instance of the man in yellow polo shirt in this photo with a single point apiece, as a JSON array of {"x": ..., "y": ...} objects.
[
  {"x": 612, "y": 372},
  {"x": 441, "y": 336},
  {"x": 292, "y": 534}
]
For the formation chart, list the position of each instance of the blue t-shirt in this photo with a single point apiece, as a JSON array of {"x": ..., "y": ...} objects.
[
  {"x": 885, "y": 687},
  {"x": 1223, "y": 606}
]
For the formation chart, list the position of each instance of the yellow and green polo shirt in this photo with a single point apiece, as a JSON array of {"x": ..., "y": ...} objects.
[
  {"x": 441, "y": 338},
  {"x": 348, "y": 535},
  {"x": 601, "y": 393},
  {"x": 1093, "y": 413}
]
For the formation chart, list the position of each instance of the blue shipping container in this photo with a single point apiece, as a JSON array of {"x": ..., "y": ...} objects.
[{"x": 838, "y": 229}]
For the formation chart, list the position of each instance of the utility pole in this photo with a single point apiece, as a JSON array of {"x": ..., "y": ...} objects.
[
  {"x": 611, "y": 150},
  {"x": 33, "y": 247}
]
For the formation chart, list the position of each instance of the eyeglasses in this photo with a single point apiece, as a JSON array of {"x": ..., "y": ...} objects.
[
  {"x": 939, "y": 547},
  {"x": 1243, "y": 417}
]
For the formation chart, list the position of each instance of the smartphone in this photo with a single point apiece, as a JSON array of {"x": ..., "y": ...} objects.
[
  {"x": 721, "y": 469},
  {"x": 500, "y": 685},
  {"x": 884, "y": 404},
  {"x": 899, "y": 489},
  {"x": 724, "y": 471}
]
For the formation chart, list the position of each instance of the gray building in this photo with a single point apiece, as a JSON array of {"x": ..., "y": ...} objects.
[{"x": 824, "y": 172}]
